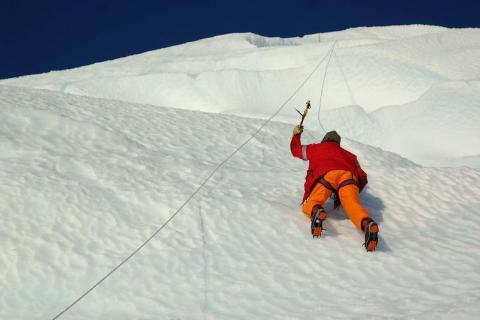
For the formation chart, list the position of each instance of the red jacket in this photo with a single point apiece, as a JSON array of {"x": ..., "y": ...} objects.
[{"x": 324, "y": 157}]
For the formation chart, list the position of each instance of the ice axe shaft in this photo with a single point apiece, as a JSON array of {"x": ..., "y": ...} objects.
[{"x": 305, "y": 112}]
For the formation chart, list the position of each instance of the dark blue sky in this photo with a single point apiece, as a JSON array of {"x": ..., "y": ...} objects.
[{"x": 38, "y": 36}]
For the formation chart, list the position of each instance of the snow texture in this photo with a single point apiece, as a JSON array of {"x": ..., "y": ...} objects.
[
  {"x": 92, "y": 166},
  {"x": 428, "y": 73}
]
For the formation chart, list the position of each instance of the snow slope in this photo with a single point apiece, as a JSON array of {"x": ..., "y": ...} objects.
[
  {"x": 84, "y": 181},
  {"x": 381, "y": 74}
]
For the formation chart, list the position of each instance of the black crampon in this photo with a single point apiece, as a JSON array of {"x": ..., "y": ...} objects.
[
  {"x": 317, "y": 218},
  {"x": 371, "y": 230}
]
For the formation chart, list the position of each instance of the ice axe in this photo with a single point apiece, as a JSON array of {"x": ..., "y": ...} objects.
[{"x": 305, "y": 112}]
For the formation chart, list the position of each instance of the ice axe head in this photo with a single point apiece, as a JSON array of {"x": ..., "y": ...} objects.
[{"x": 304, "y": 114}]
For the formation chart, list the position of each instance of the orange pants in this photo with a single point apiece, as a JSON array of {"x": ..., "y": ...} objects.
[{"x": 349, "y": 197}]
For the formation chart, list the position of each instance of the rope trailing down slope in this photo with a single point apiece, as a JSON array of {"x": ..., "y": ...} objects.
[{"x": 220, "y": 165}]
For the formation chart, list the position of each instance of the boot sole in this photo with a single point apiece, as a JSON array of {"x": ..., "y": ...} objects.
[
  {"x": 317, "y": 231},
  {"x": 372, "y": 244}
]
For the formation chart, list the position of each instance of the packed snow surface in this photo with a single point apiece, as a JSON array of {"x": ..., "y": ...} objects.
[
  {"x": 413, "y": 90},
  {"x": 94, "y": 160}
]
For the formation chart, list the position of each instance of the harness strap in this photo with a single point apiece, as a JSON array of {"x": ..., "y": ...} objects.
[
  {"x": 347, "y": 182},
  {"x": 326, "y": 184},
  {"x": 334, "y": 191},
  {"x": 344, "y": 183}
]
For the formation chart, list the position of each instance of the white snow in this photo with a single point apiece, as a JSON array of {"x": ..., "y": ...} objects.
[
  {"x": 94, "y": 165},
  {"x": 408, "y": 67}
]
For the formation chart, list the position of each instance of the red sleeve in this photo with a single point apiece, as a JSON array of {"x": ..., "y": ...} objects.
[{"x": 296, "y": 146}]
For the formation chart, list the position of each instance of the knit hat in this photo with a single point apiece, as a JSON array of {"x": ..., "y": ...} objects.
[{"x": 332, "y": 136}]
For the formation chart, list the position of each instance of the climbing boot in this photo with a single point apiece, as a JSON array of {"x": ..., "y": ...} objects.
[
  {"x": 371, "y": 230},
  {"x": 317, "y": 217}
]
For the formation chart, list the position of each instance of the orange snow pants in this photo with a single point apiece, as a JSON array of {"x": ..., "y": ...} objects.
[{"x": 349, "y": 196}]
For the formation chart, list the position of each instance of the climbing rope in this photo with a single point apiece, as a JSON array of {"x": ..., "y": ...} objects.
[
  {"x": 331, "y": 51},
  {"x": 221, "y": 164},
  {"x": 323, "y": 82}
]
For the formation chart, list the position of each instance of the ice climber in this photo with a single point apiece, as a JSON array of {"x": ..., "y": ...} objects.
[{"x": 332, "y": 169}]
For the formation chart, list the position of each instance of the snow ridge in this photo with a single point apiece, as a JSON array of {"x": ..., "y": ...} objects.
[{"x": 407, "y": 67}]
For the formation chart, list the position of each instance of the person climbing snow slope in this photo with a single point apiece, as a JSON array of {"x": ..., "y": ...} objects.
[{"x": 333, "y": 169}]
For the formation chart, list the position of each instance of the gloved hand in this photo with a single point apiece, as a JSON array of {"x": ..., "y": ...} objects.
[{"x": 297, "y": 130}]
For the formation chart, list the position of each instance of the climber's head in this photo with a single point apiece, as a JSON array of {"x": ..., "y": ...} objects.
[{"x": 332, "y": 136}]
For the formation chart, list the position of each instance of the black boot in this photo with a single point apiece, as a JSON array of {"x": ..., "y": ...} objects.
[
  {"x": 317, "y": 217},
  {"x": 371, "y": 230}
]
